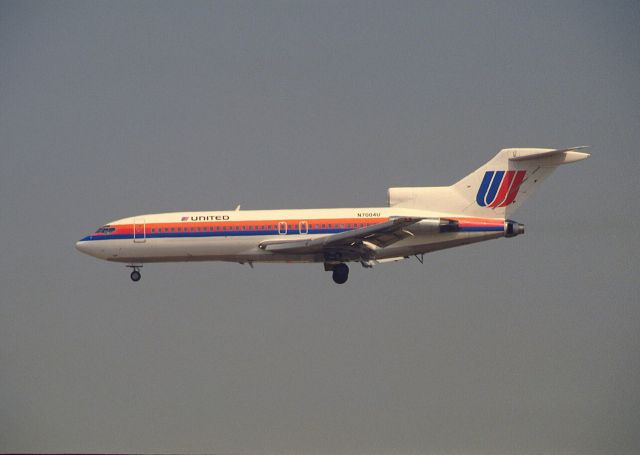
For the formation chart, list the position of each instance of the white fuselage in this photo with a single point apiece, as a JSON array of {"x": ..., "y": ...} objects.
[{"x": 237, "y": 236}]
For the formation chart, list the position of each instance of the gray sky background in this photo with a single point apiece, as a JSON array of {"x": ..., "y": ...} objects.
[{"x": 529, "y": 345}]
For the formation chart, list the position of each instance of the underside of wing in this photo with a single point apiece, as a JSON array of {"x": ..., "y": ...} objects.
[{"x": 380, "y": 235}]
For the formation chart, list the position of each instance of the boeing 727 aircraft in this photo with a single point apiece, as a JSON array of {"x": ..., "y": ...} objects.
[{"x": 417, "y": 220}]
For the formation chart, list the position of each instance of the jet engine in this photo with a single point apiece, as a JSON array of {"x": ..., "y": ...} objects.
[
  {"x": 433, "y": 226},
  {"x": 512, "y": 228}
]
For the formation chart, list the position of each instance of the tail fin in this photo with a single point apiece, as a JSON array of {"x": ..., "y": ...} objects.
[{"x": 495, "y": 190}]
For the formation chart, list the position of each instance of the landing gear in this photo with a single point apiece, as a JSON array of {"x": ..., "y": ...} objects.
[
  {"x": 135, "y": 275},
  {"x": 340, "y": 273}
]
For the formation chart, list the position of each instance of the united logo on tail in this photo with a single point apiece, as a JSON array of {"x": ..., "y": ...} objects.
[{"x": 499, "y": 188}]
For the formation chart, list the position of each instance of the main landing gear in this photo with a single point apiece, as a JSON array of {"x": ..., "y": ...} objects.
[
  {"x": 135, "y": 274},
  {"x": 340, "y": 273}
]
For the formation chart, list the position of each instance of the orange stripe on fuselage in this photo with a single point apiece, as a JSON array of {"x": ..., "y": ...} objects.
[
  {"x": 249, "y": 225},
  {"x": 465, "y": 222}
]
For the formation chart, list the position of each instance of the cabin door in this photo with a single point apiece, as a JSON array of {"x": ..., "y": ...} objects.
[{"x": 139, "y": 230}]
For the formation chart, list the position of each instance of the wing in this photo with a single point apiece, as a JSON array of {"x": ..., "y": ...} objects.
[{"x": 380, "y": 235}]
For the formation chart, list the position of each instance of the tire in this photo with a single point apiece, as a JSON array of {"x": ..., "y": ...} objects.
[
  {"x": 135, "y": 276},
  {"x": 340, "y": 273}
]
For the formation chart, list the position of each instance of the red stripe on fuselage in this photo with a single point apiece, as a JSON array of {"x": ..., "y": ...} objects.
[
  {"x": 248, "y": 225},
  {"x": 477, "y": 222}
]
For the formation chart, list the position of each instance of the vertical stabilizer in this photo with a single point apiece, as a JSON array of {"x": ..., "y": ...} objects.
[{"x": 496, "y": 189}]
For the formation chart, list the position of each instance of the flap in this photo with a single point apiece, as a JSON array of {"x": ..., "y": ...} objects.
[{"x": 381, "y": 235}]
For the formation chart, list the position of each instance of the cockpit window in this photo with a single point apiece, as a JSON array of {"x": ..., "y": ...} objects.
[{"x": 105, "y": 230}]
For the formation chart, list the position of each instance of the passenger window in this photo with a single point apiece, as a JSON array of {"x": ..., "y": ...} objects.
[
  {"x": 166, "y": 229},
  {"x": 173, "y": 229}
]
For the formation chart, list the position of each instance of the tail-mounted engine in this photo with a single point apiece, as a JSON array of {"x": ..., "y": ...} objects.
[
  {"x": 433, "y": 226},
  {"x": 441, "y": 225},
  {"x": 512, "y": 228}
]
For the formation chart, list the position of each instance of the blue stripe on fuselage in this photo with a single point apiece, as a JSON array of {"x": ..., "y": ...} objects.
[
  {"x": 157, "y": 235},
  {"x": 481, "y": 229}
]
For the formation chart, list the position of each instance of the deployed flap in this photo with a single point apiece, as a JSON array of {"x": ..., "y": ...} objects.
[{"x": 381, "y": 235}]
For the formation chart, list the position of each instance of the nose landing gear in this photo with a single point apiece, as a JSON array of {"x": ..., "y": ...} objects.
[{"x": 135, "y": 274}]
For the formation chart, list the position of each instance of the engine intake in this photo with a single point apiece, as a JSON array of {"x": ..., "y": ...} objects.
[{"x": 433, "y": 225}]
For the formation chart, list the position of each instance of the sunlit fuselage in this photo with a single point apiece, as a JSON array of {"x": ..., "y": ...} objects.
[{"x": 237, "y": 235}]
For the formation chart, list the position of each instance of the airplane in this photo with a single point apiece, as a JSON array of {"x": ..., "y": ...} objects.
[{"x": 417, "y": 220}]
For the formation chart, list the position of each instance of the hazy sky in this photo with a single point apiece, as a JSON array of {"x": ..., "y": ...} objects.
[{"x": 110, "y": 109}]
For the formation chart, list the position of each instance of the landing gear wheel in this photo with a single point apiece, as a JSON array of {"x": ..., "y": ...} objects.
[
  {"x": 135, "y": 274},
  {"x": 341, "y": 273}
]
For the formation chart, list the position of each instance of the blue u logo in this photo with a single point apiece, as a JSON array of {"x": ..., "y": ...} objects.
[{"x": 499, "y": 188}]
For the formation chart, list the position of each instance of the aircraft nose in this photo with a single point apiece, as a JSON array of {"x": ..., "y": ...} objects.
[
  {"x": 82, "y": 246},
  {"x": 93, "y": 248}
]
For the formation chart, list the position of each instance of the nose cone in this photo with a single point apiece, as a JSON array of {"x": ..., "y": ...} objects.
[
  {"x": 89, "y": 247},
  {"x": 81, "y": 246}
]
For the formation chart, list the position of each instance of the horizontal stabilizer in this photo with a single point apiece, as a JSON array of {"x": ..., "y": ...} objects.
[
  {"x": 532, "y": 154},
  {"x": 494, "y": 190}
]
